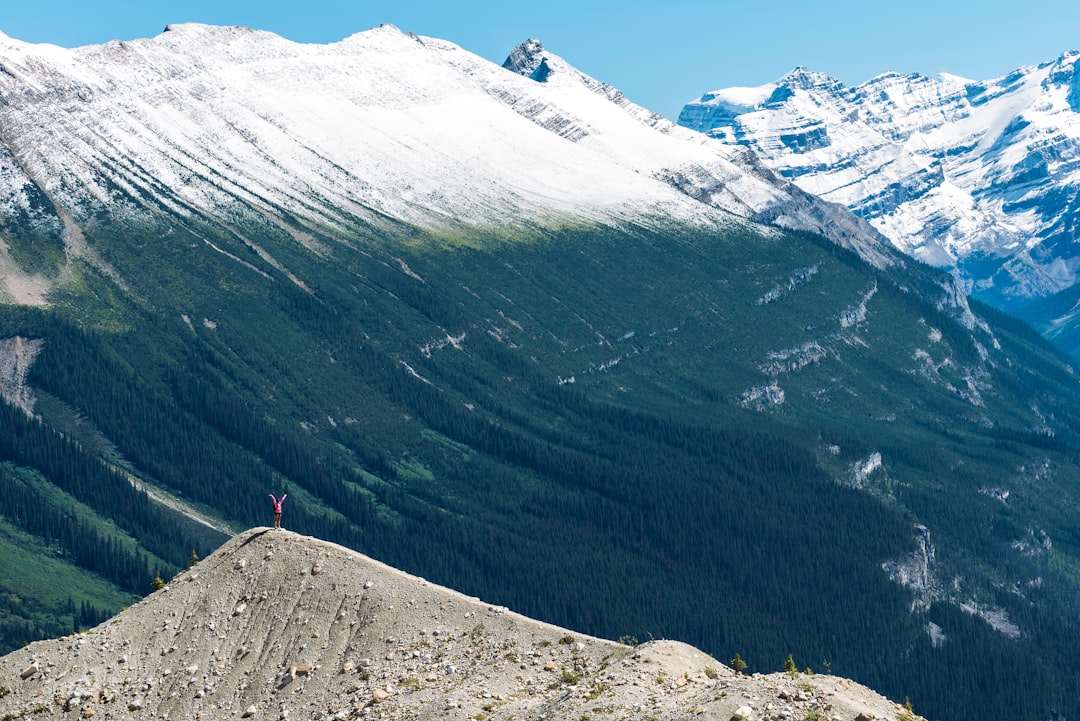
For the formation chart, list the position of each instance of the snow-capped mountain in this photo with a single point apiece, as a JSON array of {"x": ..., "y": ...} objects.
[
  {"x": 381, "y": 127},
  {"x": 982, "y": 176},
  {"x": 435, "y": 298}
]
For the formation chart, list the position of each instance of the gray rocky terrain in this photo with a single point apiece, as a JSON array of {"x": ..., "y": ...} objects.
[{"x": 275, "y": 625}]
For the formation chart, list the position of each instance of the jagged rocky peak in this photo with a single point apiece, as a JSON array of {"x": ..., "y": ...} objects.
[
  {"x": 1063, "y": 73},
  {"x": 1065, "y": 62},
  {"x": 526, "y": 58},
  {"x": 804, "y": 78},
  {"x": 807, "y": 81}
]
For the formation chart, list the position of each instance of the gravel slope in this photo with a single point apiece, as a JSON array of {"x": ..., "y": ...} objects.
[{"x": 275, "y": 625}]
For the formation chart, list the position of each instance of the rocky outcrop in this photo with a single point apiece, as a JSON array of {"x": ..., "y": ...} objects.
[
  {"x": 254, "y": 632},
  {"x": 17, "y": 355}
]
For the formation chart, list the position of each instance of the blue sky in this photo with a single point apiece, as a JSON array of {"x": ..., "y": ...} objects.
[{"x": 660, "y": 54}]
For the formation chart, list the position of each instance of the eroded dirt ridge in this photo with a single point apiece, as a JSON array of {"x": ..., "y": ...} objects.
[{"x": 275, "y": 625}]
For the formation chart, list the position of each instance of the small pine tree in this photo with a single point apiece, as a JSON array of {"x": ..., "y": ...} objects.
[
  {"x": 192, "y": 559},
  {"x": 738, "y": 664},
  {"x": 157, "y": 584},
  {"x": 789, "y": 666}
]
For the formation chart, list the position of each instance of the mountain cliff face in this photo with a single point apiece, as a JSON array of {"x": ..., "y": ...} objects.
[
  {"x": 276, "y": 625},
  {"x": 980, "y": 176},
  {"x": 504, "y": 329}
]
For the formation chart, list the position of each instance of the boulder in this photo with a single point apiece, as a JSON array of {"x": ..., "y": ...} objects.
[{"x": 300, "y": 669}]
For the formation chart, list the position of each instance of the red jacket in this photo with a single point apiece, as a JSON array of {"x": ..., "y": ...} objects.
[{"x": 278, "y": 502}]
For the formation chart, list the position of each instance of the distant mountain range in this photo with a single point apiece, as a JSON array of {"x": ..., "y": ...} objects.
[
  {"x": 504, "y": 329},
  {"x": 981, "y": 176}
]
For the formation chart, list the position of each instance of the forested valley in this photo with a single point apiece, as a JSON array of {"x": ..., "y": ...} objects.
[{"x": 546, "y": 427}]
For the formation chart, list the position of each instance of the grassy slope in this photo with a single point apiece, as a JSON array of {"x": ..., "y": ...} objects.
[
  {"x": 39, "y": 580},
  {"x": 32, "y": 570}
]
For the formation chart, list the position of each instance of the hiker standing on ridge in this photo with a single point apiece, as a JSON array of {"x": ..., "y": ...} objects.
[{"x": 277, "y": 508}]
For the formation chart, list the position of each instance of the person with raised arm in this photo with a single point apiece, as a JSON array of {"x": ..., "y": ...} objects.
[{"x": 277, "y": 508}]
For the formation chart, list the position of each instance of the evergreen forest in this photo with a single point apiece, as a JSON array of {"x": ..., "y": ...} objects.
[{"x": 731, "y": 438}]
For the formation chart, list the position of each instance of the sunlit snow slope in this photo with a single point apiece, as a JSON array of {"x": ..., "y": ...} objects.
[
  {"x": 382, "y": 126},
  {"x": 979, "y": 175}
]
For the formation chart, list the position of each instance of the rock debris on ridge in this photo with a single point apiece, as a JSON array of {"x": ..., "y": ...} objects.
[{"x": 275, "y": 625}]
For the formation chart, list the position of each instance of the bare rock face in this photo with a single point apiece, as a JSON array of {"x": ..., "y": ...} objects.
[
  {"x": 17, "y": 355},
  {"x": 361, "y": 639}
]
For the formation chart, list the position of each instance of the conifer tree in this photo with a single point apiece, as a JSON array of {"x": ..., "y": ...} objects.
[{"x": 738, "y": 664}]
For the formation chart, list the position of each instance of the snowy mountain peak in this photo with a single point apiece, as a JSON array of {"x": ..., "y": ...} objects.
[
  {"x": 1063, "y": 73},
  {"x": 381, "y": 128},
  {"x": 525, "y": 58},
  {"x": 979, "y": 176},
  {"x": 1068, "y": 58},
  {"x": 200, "y": 30},
  {"x": 803, "y": 78},
  {"x": 229, "y": 41}
]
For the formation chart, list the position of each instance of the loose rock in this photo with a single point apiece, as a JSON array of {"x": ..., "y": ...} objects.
[{"x": 207, "y": 652}]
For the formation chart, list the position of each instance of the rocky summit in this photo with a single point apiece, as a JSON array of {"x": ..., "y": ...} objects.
[{"x": 275, "y": 625}]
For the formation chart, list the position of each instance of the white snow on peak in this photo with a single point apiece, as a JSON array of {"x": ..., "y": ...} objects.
[
  {"x": 743, "y": 97},
  {"x": 955, "y": 79},
  {"x": 382, "y": 124},
  {"x": 946, "y": 167}
]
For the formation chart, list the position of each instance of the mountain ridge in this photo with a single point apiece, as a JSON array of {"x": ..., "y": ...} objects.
[
  {"x": 980, "y": 176},
  {"x": 663, "y": 422},
  {"x": 164, "y": 109},
  {"x": 278, "y": 624}
]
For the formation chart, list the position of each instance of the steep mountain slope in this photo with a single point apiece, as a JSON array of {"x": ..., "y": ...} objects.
[
  {"x": 381, "y": 125},
  {"x": 465, "y": 319},
  {"x": 981, "y": 176},
  {"x": 237, "y": 635},
  {"x": 694, "y": 172}
]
